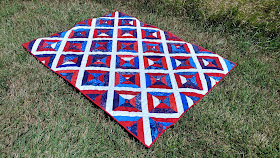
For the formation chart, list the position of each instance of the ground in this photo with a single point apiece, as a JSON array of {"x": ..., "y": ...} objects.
[{"x": 42, "y": 115}]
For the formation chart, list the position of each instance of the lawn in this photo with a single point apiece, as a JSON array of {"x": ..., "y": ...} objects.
[{"x": 42, "y": 115}]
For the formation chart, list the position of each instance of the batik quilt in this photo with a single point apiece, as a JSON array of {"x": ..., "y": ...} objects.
[{"x": 145, "y": 78}]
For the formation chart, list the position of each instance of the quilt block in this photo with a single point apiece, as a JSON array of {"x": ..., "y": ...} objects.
[{"x": 143, "y": 77}]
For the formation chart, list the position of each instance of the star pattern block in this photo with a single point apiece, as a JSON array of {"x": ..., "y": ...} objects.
[{"x": 142, "y": 76}]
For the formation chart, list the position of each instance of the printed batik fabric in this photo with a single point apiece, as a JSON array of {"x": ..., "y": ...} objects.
[{"x": 144, "y": 77}]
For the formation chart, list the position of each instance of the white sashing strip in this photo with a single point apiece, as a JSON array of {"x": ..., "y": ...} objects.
[
  {"x": 140, "y": 114},
  {"x": 178, "y": 99},
  {"x": 224, "y": 65},
  {"x": 144, "y": 103},
  {"x": 199, "y": 68},
  {"x": 35, "y": 46},
  {"x": 147, "y": 131},
  {"x": 86, "y": 54},
  {"x": 110, "y": 95},
  {"x": 60, "y": 50}
]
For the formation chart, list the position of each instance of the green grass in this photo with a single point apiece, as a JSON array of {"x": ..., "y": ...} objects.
[
  {"x": 256, "y": 15},
  {"x": 42, "y": 115}
]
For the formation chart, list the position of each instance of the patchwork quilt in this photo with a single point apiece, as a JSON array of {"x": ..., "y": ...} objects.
[{"x": 143, "y": 77}]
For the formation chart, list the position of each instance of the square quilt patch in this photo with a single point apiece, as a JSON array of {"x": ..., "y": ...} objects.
[{"x": 143, "y": 77}]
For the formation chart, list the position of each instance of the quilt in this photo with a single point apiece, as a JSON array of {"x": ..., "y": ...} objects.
[{"x": 145, "y": 78}]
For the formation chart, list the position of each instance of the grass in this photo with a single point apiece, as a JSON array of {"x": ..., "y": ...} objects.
[
  {"x": 256, "y": 15},
  {"x": 42, "y": 115}
]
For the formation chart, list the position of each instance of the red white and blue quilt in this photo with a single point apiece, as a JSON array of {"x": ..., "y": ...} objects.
[{"x": 143, "y": 77}]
